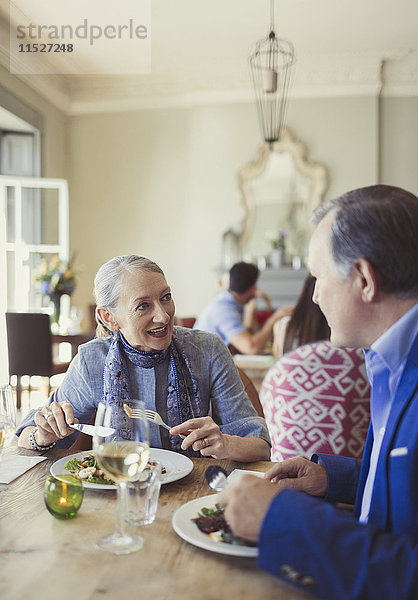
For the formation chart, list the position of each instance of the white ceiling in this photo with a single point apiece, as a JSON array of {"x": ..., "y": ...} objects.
[{"x": 200, "y": 49}]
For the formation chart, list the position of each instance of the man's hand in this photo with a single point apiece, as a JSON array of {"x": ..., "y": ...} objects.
[
  {"x": 299, "y": 474},
  {"x": 263, "y": 296},
  {"x": 246, "y": 502}
]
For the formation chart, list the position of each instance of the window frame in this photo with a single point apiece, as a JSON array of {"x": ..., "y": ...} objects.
[{"x": 22, "y": 249}]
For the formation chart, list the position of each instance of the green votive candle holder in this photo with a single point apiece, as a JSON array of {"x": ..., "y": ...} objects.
[{"x": 63, "y": 496}]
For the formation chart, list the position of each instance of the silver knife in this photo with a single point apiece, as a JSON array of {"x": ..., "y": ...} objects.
[{"x": 93, "y": 429}]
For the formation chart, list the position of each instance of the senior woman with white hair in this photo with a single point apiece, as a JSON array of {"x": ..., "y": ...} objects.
[{"x": 187, "y": 376}]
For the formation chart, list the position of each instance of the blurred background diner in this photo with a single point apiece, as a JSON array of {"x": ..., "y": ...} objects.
[
  {"x": 233, "y": 313},
  {"x": 174, "y": 164},
  {"x": 300, "y": 324}
]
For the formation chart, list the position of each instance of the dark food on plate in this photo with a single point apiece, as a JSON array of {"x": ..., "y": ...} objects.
[{"x": 212, "y": 522}]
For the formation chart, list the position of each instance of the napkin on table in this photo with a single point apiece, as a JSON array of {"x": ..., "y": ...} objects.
[
  {"x": 11, "y": 466},
  {"x": 237, "y": 473}
]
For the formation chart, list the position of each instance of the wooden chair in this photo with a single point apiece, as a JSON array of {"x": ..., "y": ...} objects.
[
  {"x": 251, "y": 392},
  {"x": 29, "y": 343},
  {"x": 317, "y": 399},
  {"x": 185, "y": 321}
]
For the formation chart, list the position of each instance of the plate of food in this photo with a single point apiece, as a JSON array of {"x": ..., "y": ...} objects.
[
  {"x": 201, "y": 523},
  {"x": 83, "y": 465}
]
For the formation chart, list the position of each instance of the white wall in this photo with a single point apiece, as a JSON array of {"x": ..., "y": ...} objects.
[
  {"x": 400, "y": 142},
  {"x": 163, "y": 183}
]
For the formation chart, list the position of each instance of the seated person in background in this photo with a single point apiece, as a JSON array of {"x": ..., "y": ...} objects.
[
  {"x": 225, "y": 314},
  {"x": 363, "y": 256},
  {"x": 252, "y": 318},
  {"x": 304, "y": 324},
  {"x": 184, "y": 375}
]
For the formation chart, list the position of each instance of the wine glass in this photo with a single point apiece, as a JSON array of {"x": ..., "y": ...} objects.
[
  {"x": 7, "y": 414},
  {"x": 122, "y": 455}
]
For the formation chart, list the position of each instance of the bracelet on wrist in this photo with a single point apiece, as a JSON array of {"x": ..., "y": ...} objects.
[{"x": 34, "y": 444}]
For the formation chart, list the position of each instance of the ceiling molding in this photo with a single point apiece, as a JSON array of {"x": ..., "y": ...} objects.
[
  {"x": 329, "y": 77},
  {"x": 397, "y": 90},
  {"x": 77, "y": 96},
  {"x": 205, "y": 98},
  {"x": 323, "y": 75},
  {"x": 400, "y": 76}
]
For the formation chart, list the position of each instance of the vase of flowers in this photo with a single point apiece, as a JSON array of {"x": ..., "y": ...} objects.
[
  {"x": 55, "y": 278},
  {"x": 56, "y": 303},
  {"x": 278, "y": 252}
]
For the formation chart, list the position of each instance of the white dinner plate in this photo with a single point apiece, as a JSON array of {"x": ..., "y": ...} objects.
[
  {"x": 177, "y": 466},
  {"x": 188, "y": 530}
]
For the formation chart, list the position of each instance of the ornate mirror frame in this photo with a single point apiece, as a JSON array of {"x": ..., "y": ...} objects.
[{"x": 315, "y": 172}]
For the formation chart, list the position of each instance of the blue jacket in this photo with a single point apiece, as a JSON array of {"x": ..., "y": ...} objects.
[{"x": 323, "y": 549}]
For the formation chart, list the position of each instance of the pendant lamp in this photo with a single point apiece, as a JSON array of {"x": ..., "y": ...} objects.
[{"x": 271, "y": 68}]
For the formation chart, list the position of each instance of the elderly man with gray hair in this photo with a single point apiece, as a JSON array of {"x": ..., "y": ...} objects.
[{"x": 363, "y": 254}]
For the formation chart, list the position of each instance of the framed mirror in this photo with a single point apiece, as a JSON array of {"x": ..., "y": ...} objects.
[{"x": 279, "y": 190}]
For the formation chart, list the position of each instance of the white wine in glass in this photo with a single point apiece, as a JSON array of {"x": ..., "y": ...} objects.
[
  {"x": 121, "y": 455},
  {"x": 122, "y": 461},
  {"x": 7, "y": 415}
]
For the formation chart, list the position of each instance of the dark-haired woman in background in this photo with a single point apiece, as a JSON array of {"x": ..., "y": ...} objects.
[{"x": 304, "y": 324}]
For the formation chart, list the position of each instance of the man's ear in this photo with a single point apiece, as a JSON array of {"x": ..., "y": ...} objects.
[
  {"x": 367, "y": 278},
  {"x": 107, "y": 318}
]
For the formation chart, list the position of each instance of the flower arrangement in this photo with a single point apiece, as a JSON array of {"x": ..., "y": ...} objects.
[
  {"x": 56, "y": 277},
  {"x": 279, "y": 242}
]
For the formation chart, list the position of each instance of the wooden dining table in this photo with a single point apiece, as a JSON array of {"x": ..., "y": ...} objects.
[{"x": 43, "y": 557}]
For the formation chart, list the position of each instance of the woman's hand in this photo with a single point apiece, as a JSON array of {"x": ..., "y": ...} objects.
[
  {"x": 299, "y": 474},
  {"x": 204, "y": 436},
  {"x": 52, "y": 422}
]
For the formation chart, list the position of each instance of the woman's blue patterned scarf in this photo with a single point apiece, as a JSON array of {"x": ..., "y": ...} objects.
[{"x": 183, "y": 401}]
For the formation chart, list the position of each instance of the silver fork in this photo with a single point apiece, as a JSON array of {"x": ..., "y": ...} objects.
[
  {"x": 154, "y": 417},
  {"x": 150, "y": 415}
]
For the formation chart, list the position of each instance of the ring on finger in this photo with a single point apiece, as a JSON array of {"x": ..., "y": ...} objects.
[
  {"x": 49, "y": 415},
  {"x": 205, "y": 442}
]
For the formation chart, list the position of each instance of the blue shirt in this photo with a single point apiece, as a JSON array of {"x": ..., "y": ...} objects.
[
  {"x": 385, "y": 362},
  {"x": 223, "y": 316},
  {"x": 222, "y": 394}
]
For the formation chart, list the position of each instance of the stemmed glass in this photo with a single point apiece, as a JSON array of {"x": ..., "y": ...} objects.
[
  {"x": 121, "y": 455},
  {"x": 7, "y": 414}
]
